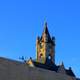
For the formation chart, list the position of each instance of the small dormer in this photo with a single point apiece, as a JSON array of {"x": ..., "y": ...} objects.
[
  {"x": 30, "y": 62},
  {"x": 61, "y": 69}
]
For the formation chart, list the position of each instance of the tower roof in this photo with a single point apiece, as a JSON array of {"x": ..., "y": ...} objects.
[
  {"x": 47, "y": 35},
  {"x": 53, "y": 67},
  {"x": 46, "y": 32},
  {"x": 45, "y": 28}
]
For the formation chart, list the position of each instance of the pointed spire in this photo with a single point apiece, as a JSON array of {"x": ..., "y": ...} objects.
[
  {"x": 45, "y": 35},
  {"x": 62, "y": 64},
  {"x": 45, "y": 28}
]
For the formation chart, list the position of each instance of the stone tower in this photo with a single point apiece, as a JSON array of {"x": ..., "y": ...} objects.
[{"x": 45, "y": 47}]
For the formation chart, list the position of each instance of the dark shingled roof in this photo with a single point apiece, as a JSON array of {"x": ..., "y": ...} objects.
[
  {"x": 52, "y": 67},
  {"x": 69, "y": 72}
]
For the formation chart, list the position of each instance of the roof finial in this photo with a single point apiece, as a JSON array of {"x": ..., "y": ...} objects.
[
  {"x": 61, "y": 63},
  {"x": 45, "y": 24},
  {"x": 70, "y": 68}
]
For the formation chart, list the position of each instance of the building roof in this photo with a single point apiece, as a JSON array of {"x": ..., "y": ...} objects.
[
  {"x": 52, "y": 67},
  {"x": 16, "y": 70}
]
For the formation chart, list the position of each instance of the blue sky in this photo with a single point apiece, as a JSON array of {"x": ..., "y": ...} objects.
[{"x": 21, "y": 21}]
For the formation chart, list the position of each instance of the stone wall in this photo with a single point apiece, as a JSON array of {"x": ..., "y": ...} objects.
[{"x": 14, "y": 70}]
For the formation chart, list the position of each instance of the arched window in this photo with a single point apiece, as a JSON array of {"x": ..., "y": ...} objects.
[{"x": 40, "y": 55}]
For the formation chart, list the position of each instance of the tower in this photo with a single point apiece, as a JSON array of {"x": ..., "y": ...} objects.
[{"x": 45, "y": 47}]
